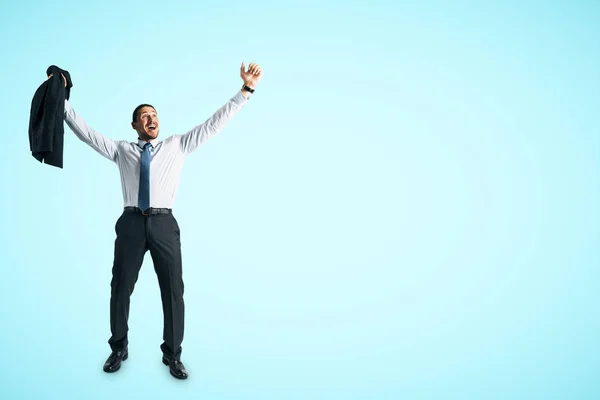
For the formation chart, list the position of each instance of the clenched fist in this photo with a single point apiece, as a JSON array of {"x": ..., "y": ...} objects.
[{"x": 64, "y": 79}]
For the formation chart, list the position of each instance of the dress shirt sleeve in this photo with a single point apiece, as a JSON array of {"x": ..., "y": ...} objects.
[
  {"x": 103, "y": 145},
  {"x": 215, "y": 124}
]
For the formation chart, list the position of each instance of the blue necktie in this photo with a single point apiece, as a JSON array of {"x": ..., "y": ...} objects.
[{"x": 144, "y": 193}]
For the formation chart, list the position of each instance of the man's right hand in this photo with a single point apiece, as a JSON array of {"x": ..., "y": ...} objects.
[{"x": 64, "y": 79}]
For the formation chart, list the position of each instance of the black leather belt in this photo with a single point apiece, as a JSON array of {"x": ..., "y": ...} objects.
[{"x": 149, "y": 211}]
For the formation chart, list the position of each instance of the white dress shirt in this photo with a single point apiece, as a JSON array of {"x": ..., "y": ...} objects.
[{"x": 167, "y": 156}]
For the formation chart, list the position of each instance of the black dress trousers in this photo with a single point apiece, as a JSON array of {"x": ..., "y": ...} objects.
[{"x": 136, "y": 234}]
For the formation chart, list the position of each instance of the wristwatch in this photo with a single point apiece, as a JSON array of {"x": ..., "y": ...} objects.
[{"x": 247, "y": 88}]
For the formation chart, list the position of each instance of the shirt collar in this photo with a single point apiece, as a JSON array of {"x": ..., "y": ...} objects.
[{"x": 153, "y": 142}]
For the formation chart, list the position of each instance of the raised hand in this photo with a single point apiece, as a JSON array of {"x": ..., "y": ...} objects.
[
  {"x": 252, "y": 76},
  {"x": 64, "y": 79}
]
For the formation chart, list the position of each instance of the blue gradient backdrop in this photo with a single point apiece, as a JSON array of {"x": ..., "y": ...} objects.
[{"x": 407, "y": 208}]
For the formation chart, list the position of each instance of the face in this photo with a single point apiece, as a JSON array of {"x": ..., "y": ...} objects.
[{"x": 147, "y": 124}]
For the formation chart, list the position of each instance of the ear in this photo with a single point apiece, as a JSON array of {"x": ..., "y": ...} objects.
[{"x": 133, "y": 126}]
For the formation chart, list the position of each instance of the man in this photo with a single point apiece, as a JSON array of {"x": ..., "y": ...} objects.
[{"x": 150, "y": 170}]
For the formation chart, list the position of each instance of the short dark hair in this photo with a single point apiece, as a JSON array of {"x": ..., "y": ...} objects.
[{"x": 135, "y": 112}]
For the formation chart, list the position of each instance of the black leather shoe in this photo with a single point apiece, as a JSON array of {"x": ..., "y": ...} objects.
[
  {"x": 176, "y": 368},
  {"x": 113, "y": 363}
]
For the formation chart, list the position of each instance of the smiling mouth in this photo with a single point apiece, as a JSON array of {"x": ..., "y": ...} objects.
[{"x": 151, "y": 127}]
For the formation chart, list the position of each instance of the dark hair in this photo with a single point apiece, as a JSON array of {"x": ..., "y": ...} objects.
[{"x": 135, "y": 112}]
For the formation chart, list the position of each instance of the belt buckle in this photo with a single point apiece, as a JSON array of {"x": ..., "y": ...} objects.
[{"x": 145, "y": 215}]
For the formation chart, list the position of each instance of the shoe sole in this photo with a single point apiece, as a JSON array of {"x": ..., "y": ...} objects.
[
  {"x": 172, "y": 374},
  {"x": 119, "y": 367}
]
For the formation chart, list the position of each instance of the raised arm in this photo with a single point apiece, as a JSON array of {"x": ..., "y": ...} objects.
[
  {"x": 103, "y": 145},
  {"x": 215, "y": 124}
]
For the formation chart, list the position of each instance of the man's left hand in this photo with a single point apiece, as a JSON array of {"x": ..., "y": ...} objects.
[{"x": 252, "y": 76}]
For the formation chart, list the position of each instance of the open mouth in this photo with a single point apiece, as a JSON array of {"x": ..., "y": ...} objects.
[{"x": 151, "y": 128}]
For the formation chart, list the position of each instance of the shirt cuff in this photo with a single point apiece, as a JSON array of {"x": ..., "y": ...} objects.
[
  {"x": 239, "y": 99},
  {"x": 67, "y": 107}
]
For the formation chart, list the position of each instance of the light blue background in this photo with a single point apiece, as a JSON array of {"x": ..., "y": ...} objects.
[{"x": 407, "y": 208}]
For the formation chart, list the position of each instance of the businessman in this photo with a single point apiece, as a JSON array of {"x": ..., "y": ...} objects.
[{"x": 150, "y": 170}]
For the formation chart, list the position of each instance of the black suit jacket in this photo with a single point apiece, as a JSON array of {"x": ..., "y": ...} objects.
[{"x": 46, "y": 130}]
